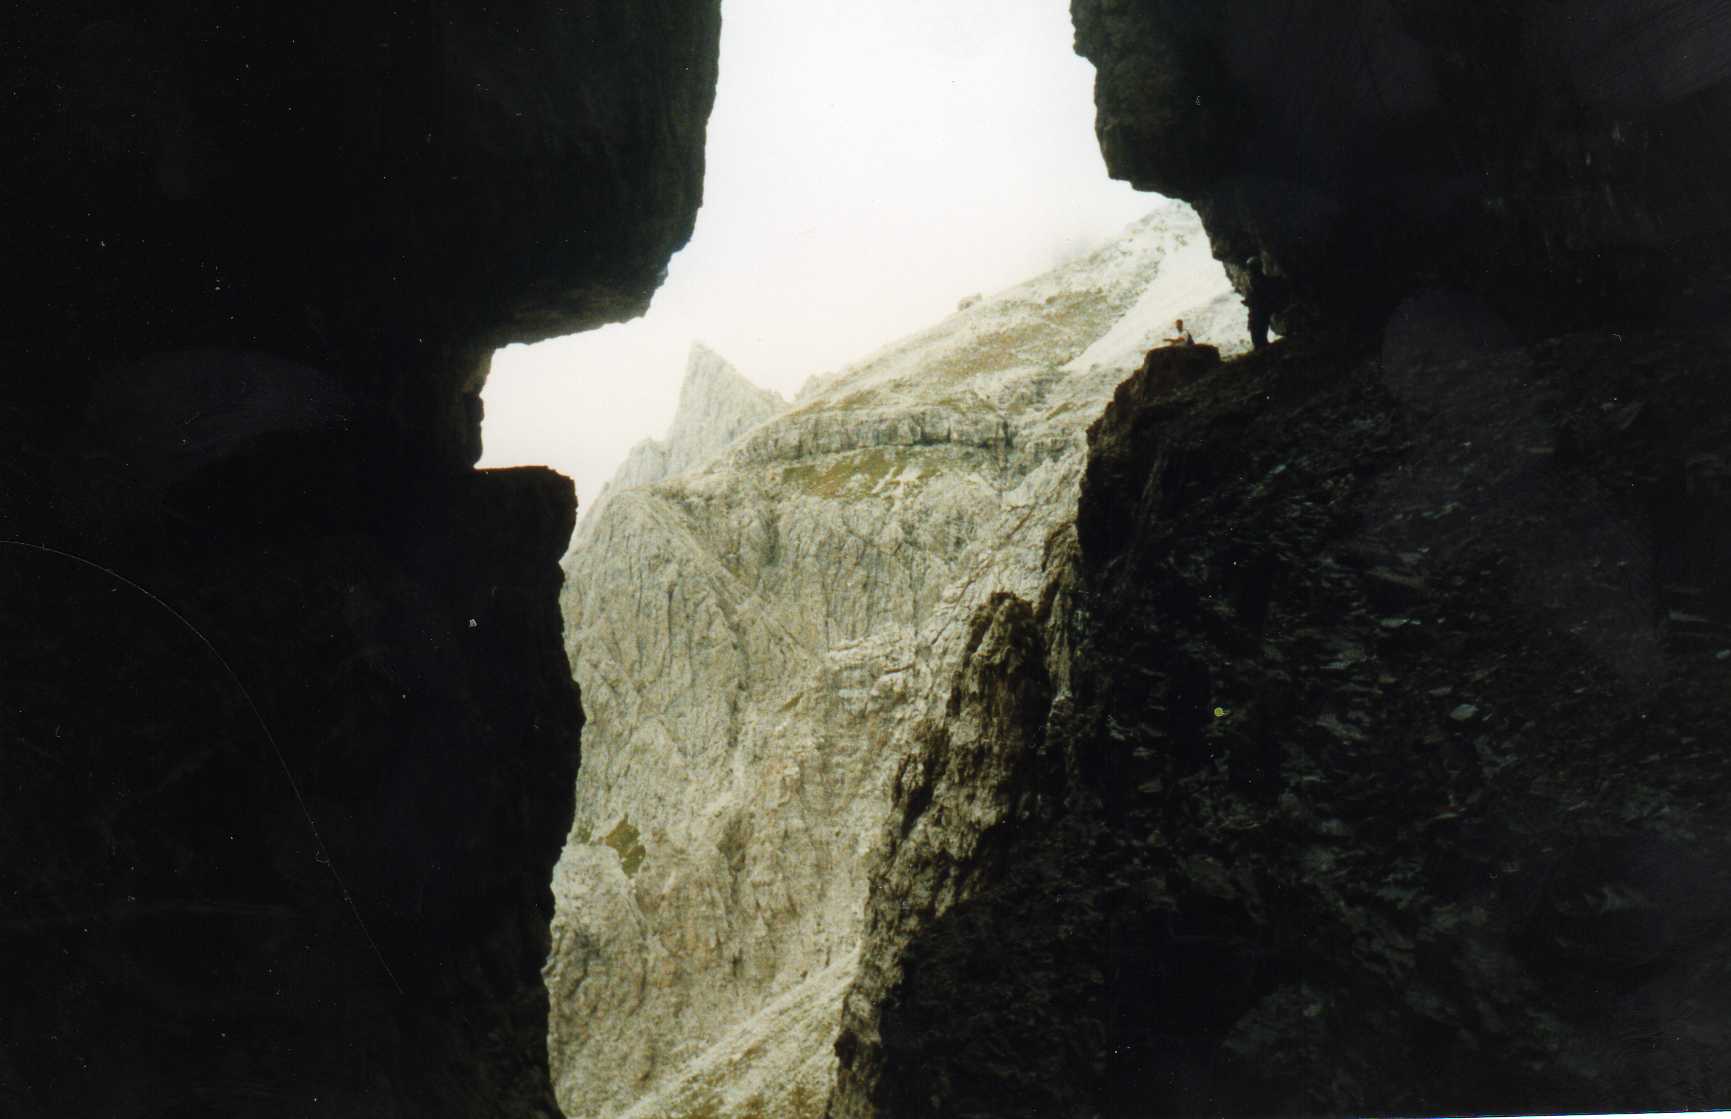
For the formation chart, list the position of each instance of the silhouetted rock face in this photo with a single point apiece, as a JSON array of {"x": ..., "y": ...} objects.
[
  {"x": 391, "y": 191},
  {"x": 289, "y": 735},
  {"x": 289, "y": 852},
  {"x": 1381, "y": 771},
  {"x": 1384, "y": 682},
  {"x": 1565, "y": 160}
]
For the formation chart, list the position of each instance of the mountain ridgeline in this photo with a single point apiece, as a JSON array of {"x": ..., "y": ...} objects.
[
  {"x": 765, "y": 613},
  {"x": 716, "y": 406}
]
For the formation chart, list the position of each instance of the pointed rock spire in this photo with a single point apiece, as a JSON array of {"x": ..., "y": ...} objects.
[{"x": 716, "y": 406}]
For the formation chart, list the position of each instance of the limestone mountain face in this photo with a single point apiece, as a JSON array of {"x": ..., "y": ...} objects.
[
  {"x": 716, "y": 406},
  {"x": 762, "y": 644}
]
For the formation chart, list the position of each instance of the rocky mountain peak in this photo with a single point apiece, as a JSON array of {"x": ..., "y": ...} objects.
[
  {"x": 760, "y": 638},
  {"x": 717, "y": 405},
  {"x": 705, "y": 364}
]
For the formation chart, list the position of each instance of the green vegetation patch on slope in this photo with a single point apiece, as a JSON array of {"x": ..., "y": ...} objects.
[
  {"x": 860, "y": 471},
  {"x": 627, "y": 844}
]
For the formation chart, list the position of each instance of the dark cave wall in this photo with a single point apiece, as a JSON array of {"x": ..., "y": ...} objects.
[
  {"x": 1565, "y": 161},
  {"x": 289, "y": 737},
  {"x": 317, "y": 885},
  {"x": 386, "y": 191},
  {"x": 1387, "y": 775}
]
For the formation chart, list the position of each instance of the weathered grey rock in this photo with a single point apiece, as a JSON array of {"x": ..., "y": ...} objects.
[
  {"x": 716, "y": 406},
  {"x": 645, "y": 463},
  {"x": 760, "y": 644}
]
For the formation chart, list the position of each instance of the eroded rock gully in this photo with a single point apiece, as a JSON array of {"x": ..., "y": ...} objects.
[{"x": 288, "y": 735}]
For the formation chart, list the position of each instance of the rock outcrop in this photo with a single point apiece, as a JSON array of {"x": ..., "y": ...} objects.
[
  {"x": 1378, "y": 770},
  {"x": 1565, "y": 163},
  {"x": 762, "y": 642},
  {"x": 289, "y": 737},
  {"x": 716, "y": 406},
  {"x": 1362, "y": 757},
  {"x": 389, "y": 194}
]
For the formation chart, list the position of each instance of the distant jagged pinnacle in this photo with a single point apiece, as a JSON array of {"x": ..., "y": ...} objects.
[
  {"x": 705, "y": 356},
  {"x": 716, "y": 405},
  {"x": 705, "y": 364}
]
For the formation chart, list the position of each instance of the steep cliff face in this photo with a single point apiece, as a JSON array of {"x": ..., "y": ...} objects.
[
  {"x": 762, "y": 642},
  {"x": 1380, "y": 768},
  {"x": 1564, "y": 161},
  {"x": 288, "y": 732},
  {"x": 974, "y": 773}
]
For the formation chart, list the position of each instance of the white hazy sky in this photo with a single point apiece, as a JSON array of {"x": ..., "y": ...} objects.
[{"x": 868, "y": 166}]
